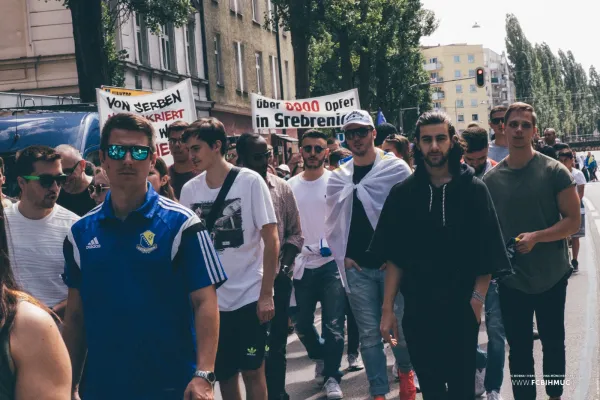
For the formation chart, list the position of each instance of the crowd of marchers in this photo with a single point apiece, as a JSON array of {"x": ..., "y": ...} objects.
[{"x": 151, "y": 282}]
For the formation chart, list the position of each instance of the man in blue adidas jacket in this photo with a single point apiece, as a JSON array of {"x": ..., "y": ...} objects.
[{"x": 142, "y": 276}]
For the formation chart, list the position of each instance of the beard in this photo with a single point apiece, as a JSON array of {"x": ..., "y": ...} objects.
[
  {"x": 313, "y": 163},
  {"x": 480, "y": 168},
  {"x": 436, "y": 164}
]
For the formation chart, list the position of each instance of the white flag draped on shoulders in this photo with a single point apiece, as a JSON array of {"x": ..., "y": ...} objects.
[{"x": 372, "y": 191}]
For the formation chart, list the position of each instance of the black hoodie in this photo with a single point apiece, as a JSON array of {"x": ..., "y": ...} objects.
[{"x": 442, "y": 238}]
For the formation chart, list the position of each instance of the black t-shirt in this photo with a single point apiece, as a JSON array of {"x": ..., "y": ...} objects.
[
  {"x": 80, "y": 203},
  {"x": 361, "y": 230},
  {"x": 178, "y": 180},
  {"x": 442, "y": 238}
]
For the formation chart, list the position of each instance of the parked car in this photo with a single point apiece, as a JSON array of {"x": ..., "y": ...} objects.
[{"x": 78, "y": 129}]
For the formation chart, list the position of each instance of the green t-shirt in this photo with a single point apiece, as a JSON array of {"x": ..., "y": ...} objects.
[{"x": 526, "y": 201}]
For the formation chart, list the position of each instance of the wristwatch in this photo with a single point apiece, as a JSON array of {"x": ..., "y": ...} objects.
[{"x": 208, "y": 376}]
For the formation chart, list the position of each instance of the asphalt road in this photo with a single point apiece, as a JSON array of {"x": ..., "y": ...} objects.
[{"x": 582, "y": 318}]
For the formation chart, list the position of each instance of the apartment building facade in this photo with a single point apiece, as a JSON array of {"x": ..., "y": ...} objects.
[
  {"x": 242, "y": 59},
  {"x": 452, "y": 70},
  {"x": 37, "y": 51}
]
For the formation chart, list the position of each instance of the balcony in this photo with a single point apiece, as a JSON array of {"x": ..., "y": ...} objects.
[
  {"x": 438, "y": 96},
  {"x": 436, "y": 80},
  {"x": 496, "y": 81},
  {"x": 433, "y": 67},
  {"x": 494, "y": 66}
]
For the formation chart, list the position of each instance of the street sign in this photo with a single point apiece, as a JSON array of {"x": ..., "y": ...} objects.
[{"x": 118, "y": 91}]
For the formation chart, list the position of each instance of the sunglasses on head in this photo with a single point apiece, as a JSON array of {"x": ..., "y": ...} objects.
[
  {"x": 118, "y": 152},
  {"x": 46, "y": 181},
  {"x": 98, "y": 188},
  {"x": 308, "y": 149},
  {"x": 360, "y": 132},
  {"x": 497, "y": 121}
]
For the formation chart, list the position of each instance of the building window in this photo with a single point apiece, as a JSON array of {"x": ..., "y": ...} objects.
[
  {"x": 457, "y": 59},
  {"x": 238, "y": 50},
  {"x": 260, "y": 76},
  {"x": 236, "y": 6},
  {"x": 433, "y": 61},
  {"x": 473, "y": 103},
  {"x": 141, "y": 33},
  {"x": 269, "y": 8},
  {"x": 459, "y": 89},
  {"x": 255, "y": 12},
  {"x": 471, "y": 59},
  {"x": 287, "y": 79},
  {"x": 275, "y": 76},
  {"x": 460, "y": 104},
  {"x": 219, "y": 60},
  {"x": 475, "y": 117},
  {"x": 434, "y": 76},
  {"x": 473, "y": 88},
  {"x": 457, "y": 74},
  {"x": 190, "y": 46},
  {"x": 471, "y": 73},
  {"x": 167, "y": 47},
  {"x": 437, "y": 105},
  {"x": 461, "y": 118}
]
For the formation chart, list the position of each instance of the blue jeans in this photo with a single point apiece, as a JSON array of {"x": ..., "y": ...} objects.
[
  {"x": 323, "y": 285},
  {"x": 366, "y": 299},
  {"x": 494, "y": 359}
]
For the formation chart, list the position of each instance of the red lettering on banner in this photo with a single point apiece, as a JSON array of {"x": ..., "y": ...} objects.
[
  {"x": 162, "y": 149},
  {"x": 165, "y": 116}
]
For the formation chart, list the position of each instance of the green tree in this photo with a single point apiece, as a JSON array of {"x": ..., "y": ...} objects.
[
  {"x": 595, "y": 90},
  {"x": 521, "y": 58},
  {"x": 92, "y": 59}
]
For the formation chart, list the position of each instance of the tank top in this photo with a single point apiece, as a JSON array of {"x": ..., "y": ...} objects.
[{"x": 7, "y": 373}]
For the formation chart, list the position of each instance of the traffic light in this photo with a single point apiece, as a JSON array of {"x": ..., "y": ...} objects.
[{"x": 480, "y": 77}]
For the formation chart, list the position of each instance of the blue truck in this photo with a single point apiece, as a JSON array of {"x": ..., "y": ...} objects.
[{"x": 80, "y": 129}]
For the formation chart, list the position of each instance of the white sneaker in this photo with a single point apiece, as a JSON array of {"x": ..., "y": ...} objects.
[
  {"x": 494, "y": 396},
  {"x": 479, "y": 379},
  {"x": 332, "y": 389},
  {"x": 319, "y": 367},
  {"x": 395, "y": 372},
  {"x": 355, "y": 363}
]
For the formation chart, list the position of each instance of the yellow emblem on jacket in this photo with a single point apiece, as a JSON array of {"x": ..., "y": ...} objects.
[{"x": 147, "y": 244}]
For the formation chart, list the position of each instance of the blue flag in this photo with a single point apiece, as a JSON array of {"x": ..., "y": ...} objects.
[{"x": 380, "y": 118}]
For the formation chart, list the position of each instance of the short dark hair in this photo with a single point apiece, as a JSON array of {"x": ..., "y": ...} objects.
[
  {"x": 337, "y": 155},
  {"x": 314, "y": 134},
  {"x": 474, "y": 139},
  {"x": 1, "y": 166},
  {"x": 521, "y": 107},
  {"x": 30, "y": 155},
  {"x": 241, "y": 146},
  {"x": 383, "y": 131},
  {"x": 177, "y": 126},
  {"x": 498, "y": 109},
  {"x": 129, "y": 122},
  {"x": 402, "y": 145},
  {"x": 561, "y": 146},
  {"x": 332, "y": 140},
  {"x": 209, "y": 130}
]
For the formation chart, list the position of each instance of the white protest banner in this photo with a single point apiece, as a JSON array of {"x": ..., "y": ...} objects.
[
  {"x": 318, "y": 112},
  {"x": 161, "y": 109}
]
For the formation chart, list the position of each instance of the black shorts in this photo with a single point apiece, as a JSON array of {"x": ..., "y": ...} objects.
[{"x": 242, "y": 342}]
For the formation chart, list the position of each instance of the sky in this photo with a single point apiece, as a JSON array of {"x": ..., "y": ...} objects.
[{"x": 567, "y": 25}]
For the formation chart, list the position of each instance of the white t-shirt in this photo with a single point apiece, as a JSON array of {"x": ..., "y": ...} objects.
[
  {"x": 310, "y": 197},
  {"x": 36, "y": 252},
  {"x": 579, "y": 180},
  {"x": 236, "y": 233}
]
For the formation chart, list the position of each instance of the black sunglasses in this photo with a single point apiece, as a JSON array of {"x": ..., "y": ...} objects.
[
  {"x": 98, "y": 188},
  {"x": 174, "y": 141},
  {"x": 69, "y": 171},
  {"x": 308, "y": 149},
  {"x": 46, "y": 181},
  {"x": 498, "y": 121},
  {"x": 118, "y": 152},
  {"x": 568, "y": 155},
  {"x": 360, "y": 132}
]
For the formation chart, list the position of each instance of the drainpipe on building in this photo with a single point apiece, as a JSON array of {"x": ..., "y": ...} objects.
[
  {"x": 278, "y": 41},
  {"x": 199, "y": 5}
]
